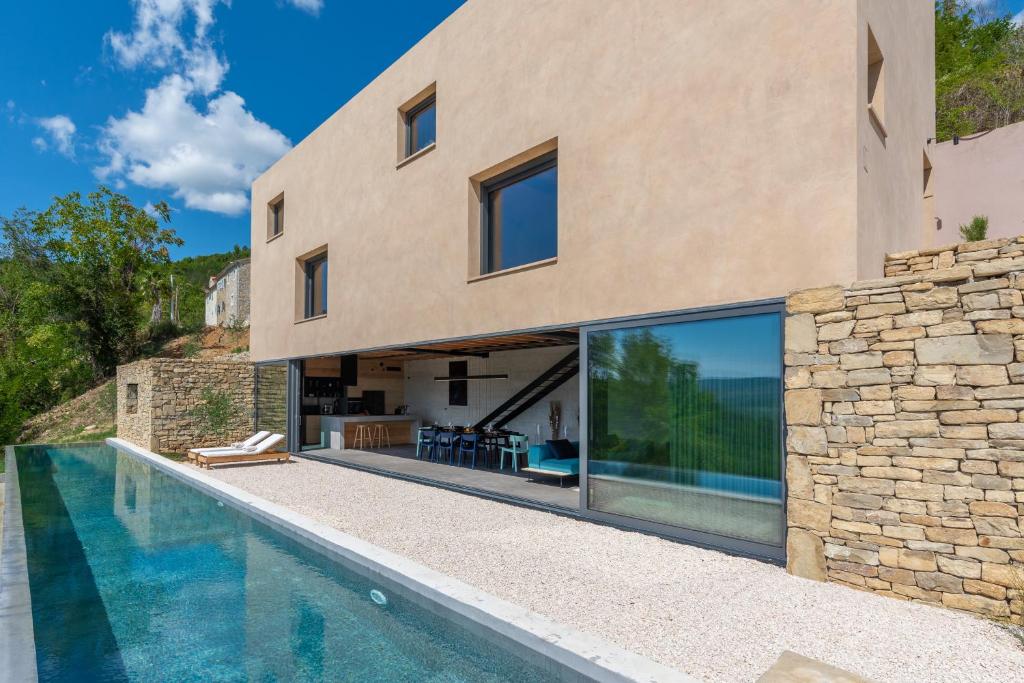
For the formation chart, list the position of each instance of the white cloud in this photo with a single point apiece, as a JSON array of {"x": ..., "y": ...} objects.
[
  {"x": 1019, "y": 18},
  {"x": 190, "y": 137},
  {"x": 60, "y": 131},
  {"x": 311, "y": 6},
  {"x": 208, "y": 157}
]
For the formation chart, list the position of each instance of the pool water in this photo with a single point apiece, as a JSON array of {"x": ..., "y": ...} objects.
[{"x": 136, "y": 576}]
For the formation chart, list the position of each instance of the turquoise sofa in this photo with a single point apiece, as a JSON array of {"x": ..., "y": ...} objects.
[{"x": 540, "y": 457}]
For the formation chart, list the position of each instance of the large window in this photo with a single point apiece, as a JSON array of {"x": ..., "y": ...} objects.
[
  {"x": 684, "y": 425},
  {"x": 519, "y": 213},
  {"x": 316, "y": 286},
  {"x": 421, "y": 126}
]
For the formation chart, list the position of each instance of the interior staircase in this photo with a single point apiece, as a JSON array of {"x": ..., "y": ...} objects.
[{"x": 549, "y": 380}]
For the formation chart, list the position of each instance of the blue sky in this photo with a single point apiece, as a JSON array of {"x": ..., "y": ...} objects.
[{"x": 183, "y": 100}]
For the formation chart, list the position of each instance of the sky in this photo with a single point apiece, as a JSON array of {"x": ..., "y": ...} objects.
[
  {"x": 188, "y": 100},
  {"x": 182, "y": 100}
]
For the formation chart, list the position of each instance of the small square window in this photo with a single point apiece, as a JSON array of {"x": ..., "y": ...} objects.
[
  {"x": 421, "y": 126},
  {"x": 316, "y": 286},
  {"x": 519, "y": 216},
  {"x": 275, "y": 217}
]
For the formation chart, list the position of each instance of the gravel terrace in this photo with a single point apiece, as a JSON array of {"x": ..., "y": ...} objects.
[{"x": 713, "y": 616}]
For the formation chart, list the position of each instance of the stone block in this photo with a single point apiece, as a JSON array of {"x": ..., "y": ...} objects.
[
  {"x": 982, "y": 375},
  {"x": 805, "y": 440},
  {"x": 913, "y": 490},
  {"x": 977, "y": 349},
  {"x": 859, "y": 361},
  {"x": 868, "y": 376},
  {"x": 917, "y": 560},
  {"x": 802, "y": 334},
  {"x": 907, "y": 428},
  {"x": 876, "y": 487},
  {"x": 952, "y": 536},
  {"x": 809, "y": 514},
  {"x": 799, "y": 482},
  {"x": 819, "y": 300},
  {"x": 805, "y": 555},
  {"x": 878, "y": 310},
  {"x": 1011, "y": 326},
  {"x": 861, "y": 501},
  {"x": 937, "y": 581},
  {"x": 939, "y": 297},
  {"x": 958, "y": 417},
  {"x": 935, "y": 375},
  {"x": 895, "y": 473},
  {"x": 836, "y": 331},
  {"x": 977, "y": 604},
  {"x": 803, "y": 406}
]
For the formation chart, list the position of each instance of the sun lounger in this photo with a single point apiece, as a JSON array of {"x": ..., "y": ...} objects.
[
  {"x": 264, "y": 450},
  {"x": 247, "y": 444}
]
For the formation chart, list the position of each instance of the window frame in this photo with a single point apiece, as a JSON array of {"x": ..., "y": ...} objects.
[
  {"x": 308, "y": 266},
  {"x": 275, "y": 217},
  {"x": 410, "y": 117},
  {"x": 511, "y": 177}
]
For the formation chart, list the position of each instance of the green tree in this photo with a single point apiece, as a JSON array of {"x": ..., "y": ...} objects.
[
  {"x": 102, "y": 251},
  {"x": 979, "y": 70}
]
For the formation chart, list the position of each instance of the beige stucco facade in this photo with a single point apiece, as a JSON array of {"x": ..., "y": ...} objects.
[
  {"x": 708, "y": 153},
  {"x": 982, "y": 175}
]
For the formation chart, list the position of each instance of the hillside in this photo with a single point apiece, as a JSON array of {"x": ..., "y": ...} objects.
[{"x": 92, "y": 416}]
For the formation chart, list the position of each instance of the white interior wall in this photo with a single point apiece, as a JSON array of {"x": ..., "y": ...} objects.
[{"x": 428, "y": 399}]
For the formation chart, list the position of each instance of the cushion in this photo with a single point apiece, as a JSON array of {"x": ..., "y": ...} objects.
[
  {"x": 565, "y": 465},
  {"x": 562, "y": 449}
]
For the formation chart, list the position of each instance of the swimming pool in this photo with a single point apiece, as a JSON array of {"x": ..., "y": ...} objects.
[{"x": 136, "y": 575}]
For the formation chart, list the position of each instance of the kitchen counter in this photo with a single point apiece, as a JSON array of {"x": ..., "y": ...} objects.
[{"x": 339, "y": 430}]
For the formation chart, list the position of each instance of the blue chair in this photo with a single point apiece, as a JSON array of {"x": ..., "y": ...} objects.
[
  {"x": 425, "y": 438},
  {"x": 469, "y": 444},
  {"x": 517, "y": 445},
  {"x": 446, "y": 444}
]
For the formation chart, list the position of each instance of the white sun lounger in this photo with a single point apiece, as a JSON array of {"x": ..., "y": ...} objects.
[
  {"x": 264, "y": 450},
  {"x": 248, "y": 444}
]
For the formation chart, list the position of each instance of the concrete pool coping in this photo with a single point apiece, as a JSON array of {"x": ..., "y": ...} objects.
[
  {"x": 17, "y": 639},
  {"x": 581, "y": 653}
]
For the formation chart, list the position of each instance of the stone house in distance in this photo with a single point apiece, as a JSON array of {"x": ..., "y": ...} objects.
[{"x": 227, "y": 295}]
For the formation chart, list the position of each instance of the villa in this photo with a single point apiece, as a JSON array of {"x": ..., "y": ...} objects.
[
  {"x": 227, "y": 295},
  {"x": 583, "y": 230}
]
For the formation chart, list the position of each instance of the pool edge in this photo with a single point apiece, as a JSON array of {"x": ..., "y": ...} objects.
[
  {"x": 17, "y": 638},
  {"x": 580, "y": 652}
]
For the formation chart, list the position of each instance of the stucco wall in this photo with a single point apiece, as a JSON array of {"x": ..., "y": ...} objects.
[
  {"x": 905, "y": 430},
  {"x": 706, "y": 151},
  {"x": 171, "y": 390},
  {"x": 984, "y": 174},
  {"x": 890, "y": 167}
]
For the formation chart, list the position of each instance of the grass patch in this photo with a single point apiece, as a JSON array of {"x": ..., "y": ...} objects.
[{"x": 176, "y": 457}]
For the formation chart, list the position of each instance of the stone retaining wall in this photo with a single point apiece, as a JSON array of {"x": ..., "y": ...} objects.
[
  {"x": 905, "y": 437},
  {"x": 170, "y": 390},
  {"x": 938, "y": 258}
]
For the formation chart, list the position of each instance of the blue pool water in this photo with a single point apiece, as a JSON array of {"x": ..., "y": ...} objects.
[{"x": 136, "y": 576}]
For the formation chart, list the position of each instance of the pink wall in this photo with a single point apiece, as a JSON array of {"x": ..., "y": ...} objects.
[{"x": 984, "y": 174}]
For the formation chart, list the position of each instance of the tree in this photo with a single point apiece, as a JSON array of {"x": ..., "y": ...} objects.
[
  {"x": 102, "y": 251},
  {"x": 979, "y": 70}
]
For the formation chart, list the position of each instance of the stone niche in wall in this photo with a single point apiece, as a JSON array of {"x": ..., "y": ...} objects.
[{"x": 905, "y": 430}]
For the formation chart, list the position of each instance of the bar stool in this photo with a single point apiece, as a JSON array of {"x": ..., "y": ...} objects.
[
  {"x": 380, "y": 433},
  {"x": 364, "y": 433}
]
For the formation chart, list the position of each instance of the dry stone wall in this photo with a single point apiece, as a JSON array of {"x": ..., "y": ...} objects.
[
  {"x": 168, "y": 418},
  {"x": 905, "y": 430}
]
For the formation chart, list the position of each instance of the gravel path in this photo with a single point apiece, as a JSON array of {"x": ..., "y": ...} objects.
[{"x": 713, "y": 616}]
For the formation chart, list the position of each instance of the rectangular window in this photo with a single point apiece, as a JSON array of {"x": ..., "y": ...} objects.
[
  {"x": 458, "y": 390},
  {"x": 316, "y": 286},
  {"x": 131, "y": 403},
  {"x": 275, "y": 217},
  {"x": 519, "y": 216},
  {"x": 421, "y": 126},
  {"x": 685, "y": 424}
]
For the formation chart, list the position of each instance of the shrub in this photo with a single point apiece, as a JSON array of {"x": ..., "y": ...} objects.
[
  {"x": 976, "y": 230},
  {"x": 191, "y": 348},
  {"x": 213, "y": 414}
]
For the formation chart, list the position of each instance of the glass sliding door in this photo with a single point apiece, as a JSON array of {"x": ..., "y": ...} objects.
[{"x": 684, "y": 424}]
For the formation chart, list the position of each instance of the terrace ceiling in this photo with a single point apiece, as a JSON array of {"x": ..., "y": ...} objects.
[{"x": 478, "y": 347}]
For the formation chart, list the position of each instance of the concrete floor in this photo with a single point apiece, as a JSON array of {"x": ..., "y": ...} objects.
[{"x": 402, "y": 460}]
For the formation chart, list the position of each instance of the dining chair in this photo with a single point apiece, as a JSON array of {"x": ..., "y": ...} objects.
[
  {"x": 518, "y": 445},
  {"x": 447, "y": 442},
  {"x": 425, "y": 437},
  {"x": 469, "y": 444}
]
